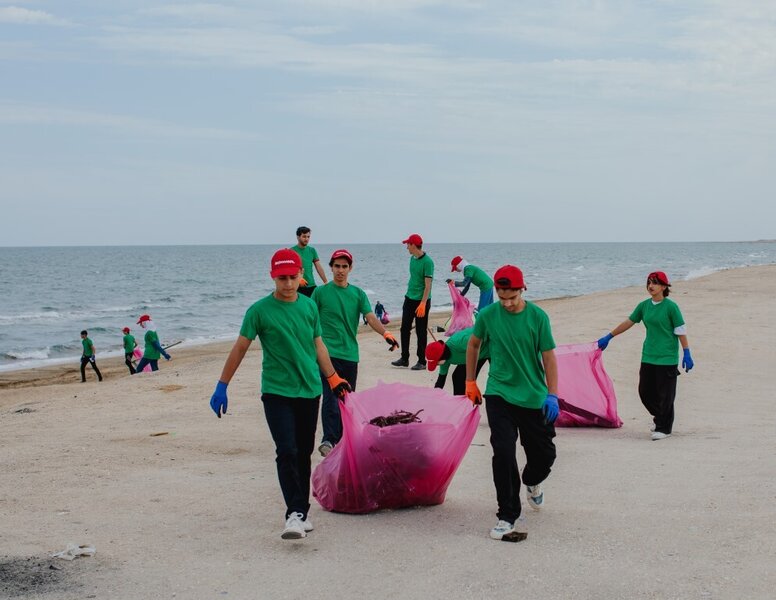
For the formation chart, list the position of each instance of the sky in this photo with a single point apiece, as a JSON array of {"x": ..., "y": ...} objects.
[{"x": 127, "y": 122}]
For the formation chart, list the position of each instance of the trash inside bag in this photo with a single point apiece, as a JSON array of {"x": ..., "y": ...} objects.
[
  {"x": 402, "y": 464},
  {"x": 585, "y": 391}
]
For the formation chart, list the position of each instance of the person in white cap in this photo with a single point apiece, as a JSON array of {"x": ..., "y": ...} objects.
[
  {"x": 472, "y": 275},
  {"x": 153, "y": 348}
]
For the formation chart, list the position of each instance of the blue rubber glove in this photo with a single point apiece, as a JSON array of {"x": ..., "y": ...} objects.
[
  {"x": 687, "y": 362},
  {"x": 604, "y": 341},
  {"x": 219, "y": 401},
  {"x": 550, "y": 408},
  {"x": 166, "y": 356}
]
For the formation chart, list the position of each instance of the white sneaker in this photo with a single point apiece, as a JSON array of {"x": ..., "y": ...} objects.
[
  {"x": 659, "y": 435},
  {"x": 510, "y": 532},
  {"x": 652, "y": 427},
  {"x": 294, "y": 527},
  {"x": 307, "y": 525},
  {"x": 535, "y": 496}
]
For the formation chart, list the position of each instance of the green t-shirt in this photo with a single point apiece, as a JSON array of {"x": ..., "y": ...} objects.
[
  {"x": 309, "y": 255},
  {"x": 88, "y": 347},
  {"x": 661, "y": 346},
  {"x": 129, "y": 343},
  {"x": 457, "y": 345},
  {"x": 341, "y": 309},
  {"x": 150, "y": 352},
  {"x": 479, "y": 277},
  {"x": 420, "y": 268},
  {"x": 516, "y": 343},
  {"x": 287, "y": 331}
]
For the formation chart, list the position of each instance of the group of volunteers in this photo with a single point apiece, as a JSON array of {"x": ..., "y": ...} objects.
[
  {"x": 308, "y": 335},
  {"x": 152, "y": 352}
]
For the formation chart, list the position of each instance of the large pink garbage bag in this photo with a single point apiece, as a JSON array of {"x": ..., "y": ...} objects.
[
  {"x": 463, "y": 312},
  {"x": 585, "y": 391},
  {"x": 399, "y": 465}
]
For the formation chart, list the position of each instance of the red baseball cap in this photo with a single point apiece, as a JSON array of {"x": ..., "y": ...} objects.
[
  {"x": 143, "y": 319},
  {"x": 434, "y": 352},
  {"x": 455, "y": 262},
  {"x": 341, "y": 253},
  {"x": 660, "y": 276},
  {"x": 285, "y": 262},
  {"x": 125, "y": 330},
  {"x": 414, "y": 239},
  {"x": 509, "y": 277}
]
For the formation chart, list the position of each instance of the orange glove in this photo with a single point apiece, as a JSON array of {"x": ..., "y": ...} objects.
[
  {"x": 391, "y": 341},
  {"x": 473, "y": 392},
  {"x": 339, "y": 386},
  {"x": 420, "y": 311},
  {"x": 302, "y": 282}
]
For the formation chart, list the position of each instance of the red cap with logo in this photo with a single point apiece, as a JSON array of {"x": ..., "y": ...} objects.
[
  {"x": 414, "y": 239},
  {"x": 455, "y": 262},
  {"x": 285, "y": 262},
  {"x": 661, "y": 277},
  {"x": 143, "y": 319},
  {"x": 434, "y": 352},
  {"x": 341, "y": 253},
  {"x": 125, "y": 330},
  {"x": 509, "y": 277}
]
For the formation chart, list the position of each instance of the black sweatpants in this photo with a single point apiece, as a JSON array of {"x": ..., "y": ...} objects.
[
  {"x": 459, "y": 377},
  {"x": 421, "y": 328},
  {"x": 89, "y": 360},
  {"x": 128, "y": 356},
  {"x": 657, "y": 390},
  {"x": 508, "y": 422}
]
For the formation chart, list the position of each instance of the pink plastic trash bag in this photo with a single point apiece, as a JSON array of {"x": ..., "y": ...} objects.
[
  {"x": 585, "y": 391},
  {"x": 463, "y": 312},
  {"x": 137, "y": 354},
  {"x": 412, "y": 464}
]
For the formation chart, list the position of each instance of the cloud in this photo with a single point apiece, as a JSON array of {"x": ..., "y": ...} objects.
[{"x": 25, "y": 16}]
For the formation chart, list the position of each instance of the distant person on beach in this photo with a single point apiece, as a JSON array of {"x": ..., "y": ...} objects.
[
  {"x": 153, "y": 348},
  {"x": 88, "y": 357},
  {"x": 417, "y": 303},
  {"x": 309, "y": 256},
  {"x": 380, "y": 312},
  {"x": 666, "y": 330},
  {"x": 288, "y": 326},
  {"x": 453, "y": 353},
  {"x": 521, "y": 397},
  {"x": 340, "y": 305},
  {"x": 473, "y": 275},
  {"x": 129, "y": 350}
]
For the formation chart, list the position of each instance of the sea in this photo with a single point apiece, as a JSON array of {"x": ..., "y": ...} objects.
[{"x": 199, "y": 294}]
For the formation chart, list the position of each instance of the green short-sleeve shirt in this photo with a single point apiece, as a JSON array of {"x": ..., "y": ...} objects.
[
  {"x": 308, "y": 255},
  {"x": 88, "y": 347},
  {"x": 479, "y": 277},
  {"x": 341, "y": 309},
  {"x": 516, "y": 343},
  {"x": 457, "y": 345},
  {"x": 150, "y": 352},
  {"x": 420, "y": 268},
  {"x": 129, "y": 343},
  {"x": 661, "y": 346},
  {"x": 287, "y": 331}
]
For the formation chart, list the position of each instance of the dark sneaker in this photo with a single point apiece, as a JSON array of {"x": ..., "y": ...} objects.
[
  {"x": 401, "y": 362},
  {"x": 419, "y": 366}
]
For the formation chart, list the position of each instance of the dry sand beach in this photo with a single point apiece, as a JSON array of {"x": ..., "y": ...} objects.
[{"x": 196, "y": 512}]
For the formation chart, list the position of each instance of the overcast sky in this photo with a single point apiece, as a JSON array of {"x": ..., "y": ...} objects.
[{"x": 128, "y": 122}]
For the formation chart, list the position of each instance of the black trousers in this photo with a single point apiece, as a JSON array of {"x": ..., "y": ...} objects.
[
  {"x": 128, "y": 356},
  {"x": 459, "y": 377},
  {"x": 89, "y": 360},
  {"x": 307, "y": 290},
  {"x": 331, "y": 419},
  {"x": 657, "y": 390},
  {"x": 421, "y": 328},
  {"x": 292, "y": 423},
  {"x": 508, "y": 422}
]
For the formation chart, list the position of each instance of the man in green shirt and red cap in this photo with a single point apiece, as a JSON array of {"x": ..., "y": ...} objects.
[{"x": 153, "y": 348}]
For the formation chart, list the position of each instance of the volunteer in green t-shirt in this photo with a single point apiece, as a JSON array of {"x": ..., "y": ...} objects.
[
  {"x": 310, "y": 260},
  {"x": 473, "y": 275},
  {"x": 129, "y": 350},
  {"x": 521, "y": 397},
  {"x": 341, "y": 305},
  {"x": 453, "y": 352},
  {"x": 417, "y": 303},
  {"x": 88, "y": 357},
  {"x": 153, "y": 347},
  {"x": 293, "y": 355},
  {"x": 666, "y": 330}
]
